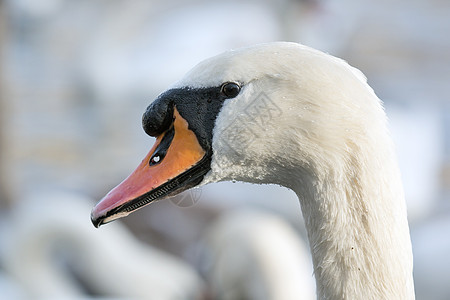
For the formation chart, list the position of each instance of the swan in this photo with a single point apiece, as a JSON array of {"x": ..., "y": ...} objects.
[
  {"x": 283, "y": 113},
  {"x": 53, "y": 255},
  {"x": 251, "y": 254}
]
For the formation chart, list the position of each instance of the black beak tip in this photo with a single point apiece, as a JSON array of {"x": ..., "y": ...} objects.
[{"x": 96, "y": 221}]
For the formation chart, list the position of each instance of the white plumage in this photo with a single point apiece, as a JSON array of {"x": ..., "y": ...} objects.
[{"x": 310, "y": 122}]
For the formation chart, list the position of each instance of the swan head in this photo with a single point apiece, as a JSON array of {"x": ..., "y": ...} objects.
[{"x": 259, "y": 114}]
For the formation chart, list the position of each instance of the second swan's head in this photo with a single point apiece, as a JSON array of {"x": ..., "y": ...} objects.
[{"x": 258, "y": 114}]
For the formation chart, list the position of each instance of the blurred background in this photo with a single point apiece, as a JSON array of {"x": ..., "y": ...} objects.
[{"x": 76, "y": 77}]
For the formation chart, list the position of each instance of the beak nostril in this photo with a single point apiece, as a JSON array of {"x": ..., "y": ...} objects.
[
  {"x": 177, "y": 162},
  {"x": 163, "y": 147},
  {"x": 155, "y": 159}
]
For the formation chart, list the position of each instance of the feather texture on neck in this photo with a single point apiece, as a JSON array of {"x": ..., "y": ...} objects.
[{"x": 310, "y": 122}]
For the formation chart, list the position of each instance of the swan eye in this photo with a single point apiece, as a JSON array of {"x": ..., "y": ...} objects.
[{"x": 230, "y": 89}]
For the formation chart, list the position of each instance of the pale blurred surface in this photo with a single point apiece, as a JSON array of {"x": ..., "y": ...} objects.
[{"x": 76, "y": 77}]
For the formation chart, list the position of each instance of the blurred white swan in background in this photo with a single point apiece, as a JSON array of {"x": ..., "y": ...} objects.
[
  {"x": 50, "y": 249},
  {"x": 10, "y": 289},
  {"x": 432, "y": 258},
  {"x": 256, "y": 255}
]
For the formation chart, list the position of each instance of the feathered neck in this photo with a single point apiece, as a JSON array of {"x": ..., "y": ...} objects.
[
  {"x": 310, "y": 122},
  {"x": 351, "y": 198},
  {"x": 355, "y": 216}
]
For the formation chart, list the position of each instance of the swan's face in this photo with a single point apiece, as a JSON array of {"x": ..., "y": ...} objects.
[{"x": 242, "y": 115}]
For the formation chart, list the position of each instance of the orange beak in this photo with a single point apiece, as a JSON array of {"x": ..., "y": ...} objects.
[{"x": 175, "y": 163}]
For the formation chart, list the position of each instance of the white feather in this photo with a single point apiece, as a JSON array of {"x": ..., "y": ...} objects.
[{"x": 309, "y": 121}]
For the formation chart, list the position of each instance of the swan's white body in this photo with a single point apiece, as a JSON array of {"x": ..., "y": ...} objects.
[
  {"x": 256, "y": 255},
  {"x": 310, "y": 122}
]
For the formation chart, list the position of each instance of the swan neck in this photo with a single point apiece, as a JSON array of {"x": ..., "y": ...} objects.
[{"x": 358, "y": 231}]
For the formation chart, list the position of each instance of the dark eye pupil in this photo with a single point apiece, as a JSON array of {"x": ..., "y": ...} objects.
[{"x": 231, "y": 89}]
